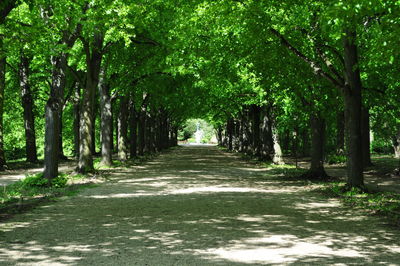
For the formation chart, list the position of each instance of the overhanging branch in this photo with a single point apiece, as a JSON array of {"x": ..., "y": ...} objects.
[{"x": 314, "y": 65}]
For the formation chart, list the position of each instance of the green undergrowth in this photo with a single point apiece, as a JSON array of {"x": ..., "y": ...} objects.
[
  {"x": 115, "y": 164},
  {"x": 36, "y": 187},
  {"x": 336, "y": 159},
  {"x": 382, "y": 203},
  {"x": 286, "y": 171}
]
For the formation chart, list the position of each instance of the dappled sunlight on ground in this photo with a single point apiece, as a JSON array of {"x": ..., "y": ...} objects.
[{"x": 196, "y": 206}]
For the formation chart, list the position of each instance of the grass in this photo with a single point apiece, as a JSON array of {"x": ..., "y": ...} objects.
[
  {"x": 382, "y": 203},
  {"x": 33, "y": 189}
]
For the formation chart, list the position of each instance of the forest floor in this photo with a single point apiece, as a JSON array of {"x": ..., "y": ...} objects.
[{"x": 197, "y": 206}]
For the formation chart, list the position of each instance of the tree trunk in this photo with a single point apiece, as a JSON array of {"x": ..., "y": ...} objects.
[
  {"x": 305, "y": 142},
  {"x": 229, "y": 131},
  {"x": 256, "y": 130},
  {"x": 147, "y": 146},
  {"x": 241, "y": 134},
  {"x": 340, "y": 132},
  {"x": 248, "y": 131},
  {"x": 396, "y": 145},
  {"x": 2, "y": 87},
  {"x": 277, "y": 156},
  {"x": 317, "y": 170},
  {"x": 219, "y": 136},
  {"x": 27, "y": 104},
  {"x": 123, "y": 129},
  {"x": 141, "y": 132},
  {"x": 159, "y": 130},
  {"x": 352, "y": 103},
  {"x": 133, "y": 131},
  {"x": 85, "y": 163},
  {"x": 106, "y": 121},
  {"x": 152, "y": 134},
  {"x": 94, "y": 115},
  {"x": 77, "y": 118},
  {"x": 60, "y": 136},
  {"x": 93, "y": 63},
  {"x": 267, "y": 142},
  {"x": 365, "y": 137},
  {"x": 53, "y": 106},
  {"x": 236, "y": 130}
]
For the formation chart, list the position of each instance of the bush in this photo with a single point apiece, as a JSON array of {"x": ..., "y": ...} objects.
[
  {"x": 39, "y": 181},
  {"x": 382, "y": 146},
  {"x": 336, "y": 159},
  {"x": 35, "y": 181},
  {"x": 60, "y": 181}
]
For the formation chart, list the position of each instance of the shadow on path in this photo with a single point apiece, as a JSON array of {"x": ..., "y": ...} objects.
[{"x": 196, "y": 206}]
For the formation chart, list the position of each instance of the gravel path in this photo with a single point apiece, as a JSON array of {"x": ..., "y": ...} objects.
[{"x": 196, "y": 206}]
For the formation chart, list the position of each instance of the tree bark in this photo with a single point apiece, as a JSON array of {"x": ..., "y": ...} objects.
[
  {"x": 340, "y": 132},
  {"x": 141, "y": 131},
  {"x": 248, "y": 132},
  {"x": 123, "y": 128},
  {"x": 267, "y": 142},
  {"x": 93, "y": 63},
  {"x": 365, "y": 137},
  {"x": 77, "y": 118},
  {"x": 317, "y": 170},
  {"x": 27, "y": 104},
  {"x": 133, "y": 130},
  {"x": 277, "y": 156},
  {"x": 53, "y": 106},
  {"x": 396, "y": 145},
  {"x": 106, "y": 120},
  {"x": 241, "y": 136},
  {"x": 94, "y": 116},
  {"x": 152, "y": 134},
  {"x": 229, "y": 131},
  {"x": 2, "y": 88},
  {"x": 219, "y": 132},
  {"x": 60, "y": 136},
  {"x": 256, "y": 130},
  {"x": 352, "y": 103},
  {"x": 305, "y": 142}
]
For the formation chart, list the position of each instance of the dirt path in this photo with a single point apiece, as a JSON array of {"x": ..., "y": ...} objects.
[{"x": 196, "y": 206}]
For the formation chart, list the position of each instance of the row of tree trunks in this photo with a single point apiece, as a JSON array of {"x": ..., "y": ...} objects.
[
  {"x": 253, "y": 133},
  {"x": 138, "y": 132},
  {"x": 148, "y": 132}
]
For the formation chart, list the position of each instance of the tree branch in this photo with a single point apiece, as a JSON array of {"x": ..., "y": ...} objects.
[
  {"x": 76, "y": 76},
  {"x": 329, "y": 65},
  {"x": 146, "y": 41},
  {"x": 315, "y": 67}
]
